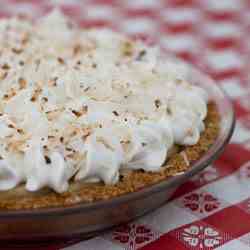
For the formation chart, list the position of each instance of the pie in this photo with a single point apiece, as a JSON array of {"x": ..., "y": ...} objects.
[{"x": 89, "y": 115}]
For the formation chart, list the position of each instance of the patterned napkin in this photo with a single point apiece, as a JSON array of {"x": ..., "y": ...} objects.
[{"x": 212, "y": 210}]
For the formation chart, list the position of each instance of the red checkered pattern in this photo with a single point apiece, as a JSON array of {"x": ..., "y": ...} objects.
[{"x": 212, "y": 210}]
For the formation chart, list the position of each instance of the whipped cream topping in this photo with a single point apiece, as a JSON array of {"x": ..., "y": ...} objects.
[{"x": 83, "y": 104}]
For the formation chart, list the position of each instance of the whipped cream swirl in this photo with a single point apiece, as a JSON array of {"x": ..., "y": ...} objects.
[{"x": 83, "y": 104}]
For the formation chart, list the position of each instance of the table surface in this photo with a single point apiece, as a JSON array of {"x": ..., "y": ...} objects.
[{"x": 212, "y": 210}]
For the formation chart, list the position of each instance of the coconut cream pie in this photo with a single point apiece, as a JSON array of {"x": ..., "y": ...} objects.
[{"x": 90, "y": 114}]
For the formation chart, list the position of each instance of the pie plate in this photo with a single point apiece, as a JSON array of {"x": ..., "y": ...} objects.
[{"x": 88, "y": 219}]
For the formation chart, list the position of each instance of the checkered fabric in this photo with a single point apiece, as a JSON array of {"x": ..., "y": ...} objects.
[{"x": 212, "y": 210}]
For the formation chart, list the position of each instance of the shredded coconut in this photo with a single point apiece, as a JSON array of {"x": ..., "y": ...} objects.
[{"x": 84, "y": 104}]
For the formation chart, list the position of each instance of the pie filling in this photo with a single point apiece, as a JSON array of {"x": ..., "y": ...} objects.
[{"x": 88, "y": 104}]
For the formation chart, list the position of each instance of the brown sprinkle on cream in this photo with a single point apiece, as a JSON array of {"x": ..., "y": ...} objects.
[
  {"x": 157, "y": 103},
  {"x": 47, "y": 159},
  {"x": 6, "y": 66},
  {"x": 141, "y": 54},
  {"x": 22, "y": 83},
  {"x": 85, "y": 109},
  {"x": 20, "y": 131},
  {"x": 76, "y": 113},
  {"x": 101, "y": 140},
  {"x": 178, "y": 81},
  {"x": 25, "y": 39},
  {"x": 33, "y": 99},
  {"x": 60, "y": 60},
  {"x": 53, "y": 81},
  {"x": 9, "y": 95},
  {"x": 115, "y": 113},
  {"x": 45, "y": 99},
  {"x": 127, "y": 48},
  {"x": 169, "y": 111},
  {"x": 86, "y": 133},
  {"x": 37, "y": 92},
  {"x": 77, "y": 49},
  {"x": 86, "y": 89},
  {"x": 125, "y": 142},
  {"x": 69, "y": 149},
  {"x": 17, "y": 51},
  {"x": 3, "y": 75},
  {"x": 52, "y": 114}
]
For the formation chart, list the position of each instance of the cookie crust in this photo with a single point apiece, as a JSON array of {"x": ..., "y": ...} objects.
[{"x": 131, "y": 181}]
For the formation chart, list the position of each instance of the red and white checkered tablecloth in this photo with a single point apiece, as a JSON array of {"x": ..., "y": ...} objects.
[{"x": 212, "y": 210}]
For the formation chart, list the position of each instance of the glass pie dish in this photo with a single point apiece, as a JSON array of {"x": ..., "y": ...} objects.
[{"x": 88, "y": 219}]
